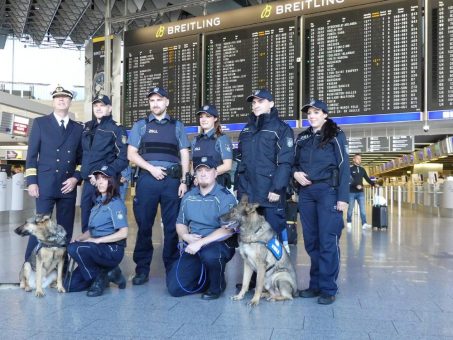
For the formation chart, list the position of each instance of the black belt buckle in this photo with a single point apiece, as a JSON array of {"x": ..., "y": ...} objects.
[{"x": 174, "y": 171}]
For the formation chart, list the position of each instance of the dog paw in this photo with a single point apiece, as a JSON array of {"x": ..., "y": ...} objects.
[
  {"x": 254, "y": 302},
  {"x": 40, "y": 293},
  {"x": 61, "y": 290},
  {"x": 27, "y": 288},
  {"x": 237, "y": 297}
]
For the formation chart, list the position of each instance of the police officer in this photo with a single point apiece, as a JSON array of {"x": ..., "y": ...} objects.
[
  {"x": 202, "y": 263},
  {"x": 100, "y": 249},
  {"x": 265, "y": 156},
  {"x": 104, "y": 145},
  {"x": 53, "y": 163},
  {"x": 158, "y": 145},
  {"x": 321, "y": 169},
  {"x": 211, "y": 142}
]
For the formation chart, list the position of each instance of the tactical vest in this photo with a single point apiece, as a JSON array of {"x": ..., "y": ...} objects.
[
  {"x": 159, "y": 143},
  {"x": 205, "y": 147}
]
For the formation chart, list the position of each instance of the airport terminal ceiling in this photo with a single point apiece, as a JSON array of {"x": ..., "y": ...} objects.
[{"x": 70, "y": 23}]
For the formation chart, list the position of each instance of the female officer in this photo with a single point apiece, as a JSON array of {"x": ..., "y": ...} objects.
[
  {"x": 212, "y": 143},
  {"x": 100, "y": 249},
  {"x": 321, "y": 169}
]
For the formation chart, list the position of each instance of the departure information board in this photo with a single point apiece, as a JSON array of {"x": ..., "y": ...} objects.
[
  {"x": 241, "y": 61},
  {"x": 173, "y": 64},
  {"x": 366, "y": 61},
  {"x": 441, "y": 94}
]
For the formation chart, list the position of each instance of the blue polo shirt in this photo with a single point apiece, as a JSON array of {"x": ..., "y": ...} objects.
[
  {"x": 107, "y": 219},
  {"x": 202, "y": 213},
  {"x": 139, "y": 129},
  {"x": 223, "y": 144}
]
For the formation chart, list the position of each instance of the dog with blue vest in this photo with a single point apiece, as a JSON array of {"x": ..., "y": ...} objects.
[{"x": 262, "y": 253}]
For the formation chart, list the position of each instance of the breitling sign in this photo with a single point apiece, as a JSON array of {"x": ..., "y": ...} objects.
[{"x": 239, "y": 17}]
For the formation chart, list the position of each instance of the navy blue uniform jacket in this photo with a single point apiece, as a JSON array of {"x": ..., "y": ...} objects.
[
  {"x": 319, "y": 163},
  {"x": 104, "y": 144},
  {"x": 53, "y": 157},
  {"x": 265, "y": 158}
]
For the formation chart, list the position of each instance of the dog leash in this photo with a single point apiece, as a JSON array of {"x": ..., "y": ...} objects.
[{"x": 203, "y": 274}]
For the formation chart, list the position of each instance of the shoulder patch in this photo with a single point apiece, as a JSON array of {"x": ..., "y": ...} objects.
[
  {"x": 119, "y": 214},
  {"x": 289, "y": 142}
]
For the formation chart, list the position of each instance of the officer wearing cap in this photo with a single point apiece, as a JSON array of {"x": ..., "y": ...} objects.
[
  {"x": 158, "y": 145},
  {"x": 100, "y": 249},
  {"x": 201, "y": 266},
  {"x": 212, "y": 143},
  {"x": 53, "y": 163},
  {"x": 104, "y": 145},
  {"x": 322, "y": 171},
  {"x": 265, "y": 158}
]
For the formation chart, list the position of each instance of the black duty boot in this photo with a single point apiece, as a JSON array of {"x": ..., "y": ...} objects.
[
  {"x": 117, "y": 277},
  {"x": 98, "y": 286}
]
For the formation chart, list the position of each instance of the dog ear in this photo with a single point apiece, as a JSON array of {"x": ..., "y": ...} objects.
[
  {"x": 244, "y": 199},
  {"x": 45, "y": 218},
  {"x": 38, "y": 218},
  {"x": 251, "y": 207}
]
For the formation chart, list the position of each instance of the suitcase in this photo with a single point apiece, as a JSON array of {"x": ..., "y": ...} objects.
[
  {"x": 291, "y": 221},
  {"x": 379, "y": 216}
]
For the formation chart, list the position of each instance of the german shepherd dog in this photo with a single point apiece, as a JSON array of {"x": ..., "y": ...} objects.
[
  {"x": 276, "y": 279},
  {"x": 38, "y": 271}
]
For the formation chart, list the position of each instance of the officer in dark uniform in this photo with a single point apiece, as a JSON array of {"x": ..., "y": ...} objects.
[
  {"x": 265, "y": 158},
  {"x": 100, "y": 249},
  {"x": 53, "y": 163},
  {"x": 211, "y": 142},
  {"x": 158, "y": 145},
  {"x": 104, "y": 145},
  {"x": 202, "y": 262},
  {"x": 321, "y": 169}
]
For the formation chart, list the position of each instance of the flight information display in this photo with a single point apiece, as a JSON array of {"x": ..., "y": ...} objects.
[
  {"x": 441, "y": 96},
  {"x": 241, "y": 61},
  {"x": 366, "y": 61},
  {"x": 173, "y": 64}
]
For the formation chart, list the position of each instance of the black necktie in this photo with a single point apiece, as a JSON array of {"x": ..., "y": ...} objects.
[{"x": 62, "y": 128}]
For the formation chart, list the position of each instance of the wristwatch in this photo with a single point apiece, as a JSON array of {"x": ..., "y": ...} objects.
[{"x": 183, "y": 181}]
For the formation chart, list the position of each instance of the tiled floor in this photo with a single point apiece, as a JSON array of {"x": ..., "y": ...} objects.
[{"x": 395, "y": 284}]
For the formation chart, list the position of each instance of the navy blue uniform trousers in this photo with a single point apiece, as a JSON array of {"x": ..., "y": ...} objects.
[
  {"x": 275, "y": 217},
  {"x": 149, "y": 193},
  {"x": 65, "y": 210},
  {"x": 91, "y": 258},
  {"x": 87, "y": 202},
  {"x": 184, "y": 275},
  {"x": 321, "y": 226}
]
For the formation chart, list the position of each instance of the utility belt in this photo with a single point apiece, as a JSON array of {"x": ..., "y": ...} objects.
[
  {"x": 121, "y": 243},
  {"x": 333, "y": 181},
  {"x": 174, "y": 171},
  {"x": 224, "y": 180}
]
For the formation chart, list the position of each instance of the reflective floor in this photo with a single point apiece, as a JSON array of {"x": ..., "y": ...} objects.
[{"x": 394, "y": 284}]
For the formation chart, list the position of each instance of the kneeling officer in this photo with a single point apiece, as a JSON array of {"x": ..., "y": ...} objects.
[{"x": 202, "y": 262}]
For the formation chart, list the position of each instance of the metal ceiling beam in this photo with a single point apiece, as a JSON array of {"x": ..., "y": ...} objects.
[{"x": 167, "y": 9}]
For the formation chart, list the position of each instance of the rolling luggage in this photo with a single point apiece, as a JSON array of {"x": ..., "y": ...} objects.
[{"x": 379, "y": 216}]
